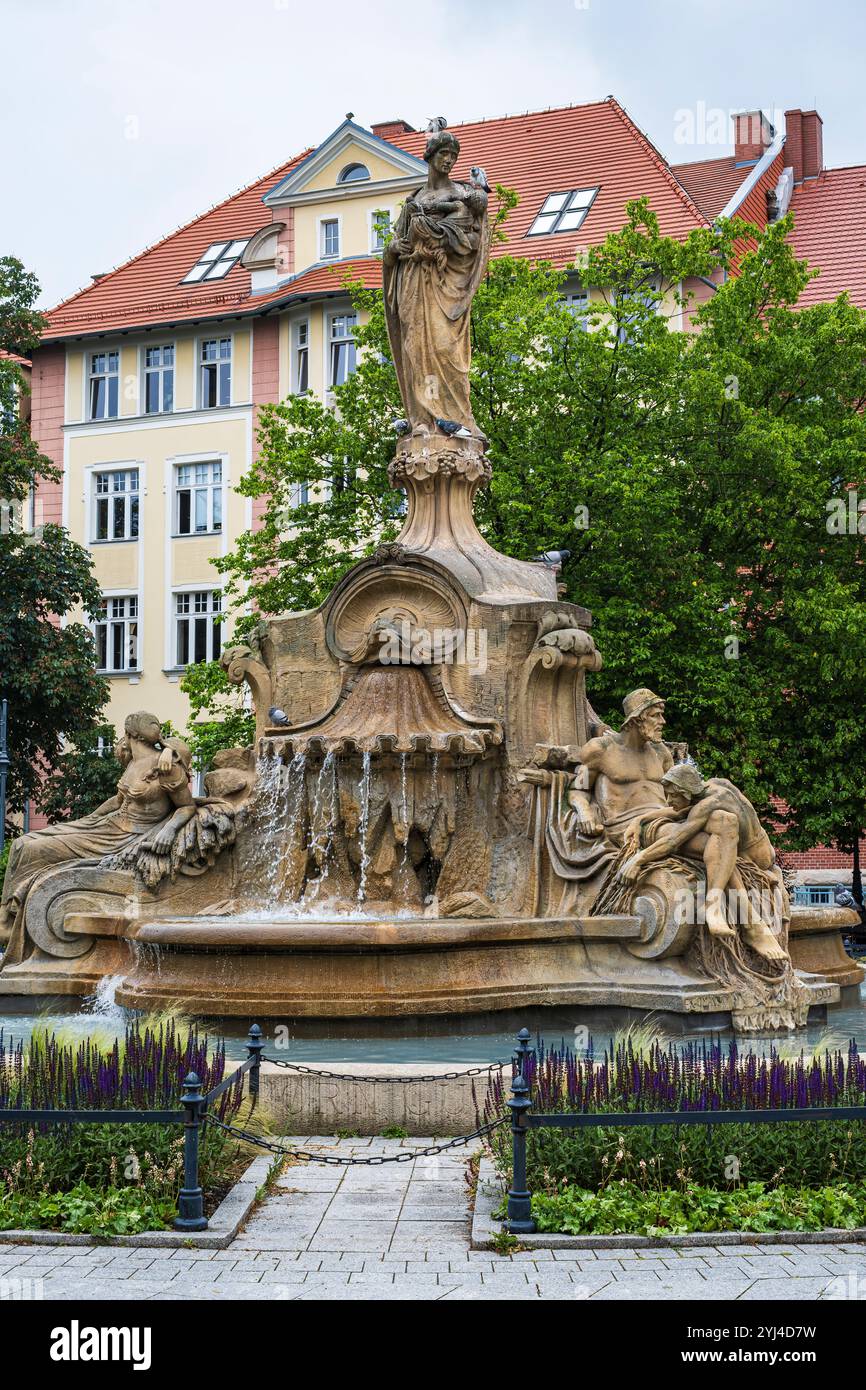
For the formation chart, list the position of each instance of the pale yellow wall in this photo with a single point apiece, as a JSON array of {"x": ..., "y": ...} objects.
[
  {"x": 156, "y": 561},
  {"x": 184, "y": 373},
  {"x": 129, "y": 383},
  {"x": 326, "y": 178},
  {"x": 354, "y": 215}
]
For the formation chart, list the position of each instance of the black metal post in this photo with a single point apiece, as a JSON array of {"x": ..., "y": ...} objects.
[
  {"x": 519, "y": 1210},
  {"x": 190, "y": 1204},
  {"x": 5, "y": 764},
  {"x": 255, "y": 1046}
]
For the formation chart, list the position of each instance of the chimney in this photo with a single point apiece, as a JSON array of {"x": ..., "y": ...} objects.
[
  {"x": 752, "y": 135},
  {"x": 390, "y": 130},
  {"x": 804, "y": 143}
]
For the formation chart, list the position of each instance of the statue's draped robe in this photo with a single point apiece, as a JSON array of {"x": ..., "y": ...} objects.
[
  {"x": 428, "y": 293},
  {"x": 138, "y": 808}
]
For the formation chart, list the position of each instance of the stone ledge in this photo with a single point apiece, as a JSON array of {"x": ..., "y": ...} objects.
[
  {"x": 223, "y": 1226},
  {"x": 485, "y": 1229}
]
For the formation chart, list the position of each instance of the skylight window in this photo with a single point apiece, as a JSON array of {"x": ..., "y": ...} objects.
[
  {"x": 216, "y": 262},
  {"x": 563, "y": 212}
]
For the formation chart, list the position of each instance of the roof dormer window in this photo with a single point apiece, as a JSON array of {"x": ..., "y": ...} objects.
[
  {"x": 563, "y": 212},
  {"x": 354, "y": 173},
  {"x": 216, "y": 262}
]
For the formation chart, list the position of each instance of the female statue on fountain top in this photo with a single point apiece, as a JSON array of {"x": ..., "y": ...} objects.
[{"x": 431, "y": 269}]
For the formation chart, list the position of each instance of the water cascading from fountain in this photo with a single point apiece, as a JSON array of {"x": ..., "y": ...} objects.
[{"x": 363, "y": 825}]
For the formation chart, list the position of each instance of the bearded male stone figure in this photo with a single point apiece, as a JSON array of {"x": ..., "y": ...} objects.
[{"x": 619, "y": 796}]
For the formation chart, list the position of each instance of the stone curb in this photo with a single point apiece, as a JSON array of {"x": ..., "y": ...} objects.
[
  {"x": 485, "y": 1229},
  {"x": 223, "y": 1226}
]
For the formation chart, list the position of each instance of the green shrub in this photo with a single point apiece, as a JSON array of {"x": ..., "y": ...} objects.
[
  {"x": 807, "y": 1154},
  {"x": 627, "y": 1208},
  {"x": 111, "y": 1211}
]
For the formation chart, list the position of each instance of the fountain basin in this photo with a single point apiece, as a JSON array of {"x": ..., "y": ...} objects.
[{"x": 393, "y": 968}]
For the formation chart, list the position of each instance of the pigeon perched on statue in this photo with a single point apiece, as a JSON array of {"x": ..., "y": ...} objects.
[
  {"x": 277, "y": 715},
  {"x": 400, "y": 427},
  {"x": 843, "y": 897},
  {"x": 478, "y": 178},
  {"x": 436, "y": 123},
  {"x": 452, "y": 427}
]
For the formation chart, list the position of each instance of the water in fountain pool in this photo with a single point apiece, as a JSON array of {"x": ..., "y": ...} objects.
[{"x": 474, "y": 1041}]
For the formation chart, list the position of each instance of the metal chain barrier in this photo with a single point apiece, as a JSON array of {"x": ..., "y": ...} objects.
[
  {"x": 372, "y": 1162},
  {"x": 388, "y": 1080}
]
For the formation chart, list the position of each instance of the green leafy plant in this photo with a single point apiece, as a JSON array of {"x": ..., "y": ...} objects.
[{"x": 628, "y": 1208}]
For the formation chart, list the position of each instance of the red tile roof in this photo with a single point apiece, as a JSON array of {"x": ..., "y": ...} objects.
[
  {"x": 571, "y": 147},
  {"x": 147, "y": 289},
  {"x": 830, "y": 233},
  {"x": 536, "y": 153},
  {"x": 712, "y": 183}
]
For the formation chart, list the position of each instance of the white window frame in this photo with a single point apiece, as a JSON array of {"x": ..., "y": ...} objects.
[
  {"x": 212, "y": 490},
  {"x": 564, "y": 212},
  {"x": 214, "y": 642},
  {"x": 210, "y": 267},
  {"x": 331, "y": 342},
  {"x": 218, "y": 338},
  {"x": 128, "y": 493},
  {"x": 320, "y": 236},
  {"x": 297, "y": 347},
  {"x": 108, "y": 375},
  {"x": 160, "y": 372},
  {"x": 577, "y": 299},
  {"x": 125, "y": 619},
  {"x": 375, "y": 250}
]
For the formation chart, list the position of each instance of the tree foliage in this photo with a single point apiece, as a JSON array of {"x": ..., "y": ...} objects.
[
  {"x": 84, "y": 777},
  {"x": 218, "y": 715},
  {"x": 689, "y": 473},
  {"x": 47, "y": 664}
]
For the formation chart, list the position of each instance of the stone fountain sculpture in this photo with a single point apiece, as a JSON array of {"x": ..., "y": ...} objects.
[{"x": 434, "y": 820}]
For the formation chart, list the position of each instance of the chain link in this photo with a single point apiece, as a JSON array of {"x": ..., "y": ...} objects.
[
  {"x": 374, "y": 1161},
  {"x": 388, "y": 1080}
]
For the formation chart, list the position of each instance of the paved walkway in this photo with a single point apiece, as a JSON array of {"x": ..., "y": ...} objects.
[{"x": 402, "y": 1232}]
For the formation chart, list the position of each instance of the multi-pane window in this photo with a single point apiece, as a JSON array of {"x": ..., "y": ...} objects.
[
  {"x": 159, "y": 379},
  {"x": 216, "y": 262},
  {"x": 300, "y": 494},
  {"x": 577, "y": 303},
  {"x": 302, "y": 358},
  {"x": 116, "y": 505},
  {"x": 380, "y": 226},
  {"x": 215, "y": 372},
  {"x": 103, "y": 385},
  {"x": 330, "y": 237},
  {"x": 633, "y": 307},
  {"x": 563, "y": 212},
  {"x": 198, "y": 498},
  {"x": 116, "y": 633},
  {"x": 342, "y": 358},
  {"x": 196, "y": 626}
]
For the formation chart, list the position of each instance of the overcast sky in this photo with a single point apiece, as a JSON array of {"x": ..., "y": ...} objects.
[{"x": 123, "y": 120}]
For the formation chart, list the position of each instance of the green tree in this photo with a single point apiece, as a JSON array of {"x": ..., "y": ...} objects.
[
  {"x": 83, "y": 777},
  {"x": 47, "y": 671},
  {"x": 688, "y": 473},
  {"x": 218, "y": 717}
]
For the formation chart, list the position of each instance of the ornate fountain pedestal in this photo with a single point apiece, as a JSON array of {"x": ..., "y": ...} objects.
[{"x": 434, "y": 822}]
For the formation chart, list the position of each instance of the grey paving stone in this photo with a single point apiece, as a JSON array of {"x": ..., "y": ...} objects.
[
  {"x": 116, "y": 1290},
  {"x": 786, "y": 1289},
  {"x": 353, "y": 1236}
]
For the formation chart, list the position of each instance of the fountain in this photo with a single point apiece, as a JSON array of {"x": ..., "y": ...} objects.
[{"x": 434, "y": 822}]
